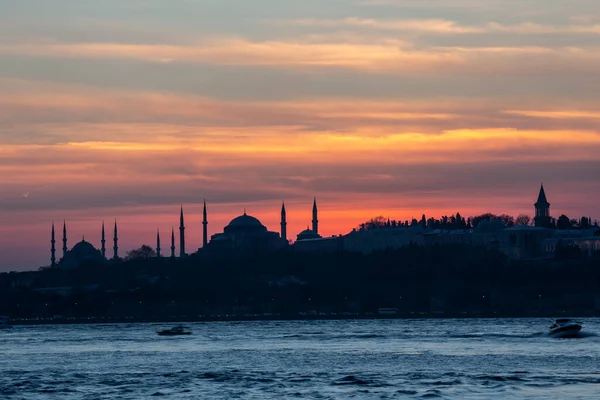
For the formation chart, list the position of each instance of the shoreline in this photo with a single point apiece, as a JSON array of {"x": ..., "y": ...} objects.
[{"x": 271, "y": 318}]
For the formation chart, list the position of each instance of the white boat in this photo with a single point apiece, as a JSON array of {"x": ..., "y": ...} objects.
[{"x": 564, "y": 328}]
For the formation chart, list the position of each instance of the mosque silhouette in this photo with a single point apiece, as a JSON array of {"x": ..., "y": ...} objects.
[{"x": 245, "y": 234}]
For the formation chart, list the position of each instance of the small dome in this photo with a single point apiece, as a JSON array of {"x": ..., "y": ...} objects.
[{"x": 308, "y": 234}]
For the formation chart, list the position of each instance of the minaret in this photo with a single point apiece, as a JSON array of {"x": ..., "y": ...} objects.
[
  {"x": 542, "y": 210},
  {"x": 158, "y": 244},
  {"x": 116, "y": 243},
  {"x": 64, "y": 249},
  {"x": 283, "y": 222},
  {"x": 103, "y": 242},
  {"x": 204, "y": 226},
  {"x": 315, "y": 220},
  {"x": 181, "y": 235},
  {"x": 172, "y": 242},
  {"x": 53, "y": 248}
]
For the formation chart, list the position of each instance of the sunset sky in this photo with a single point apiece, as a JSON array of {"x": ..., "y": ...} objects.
[{"x": 128, "y": 109}]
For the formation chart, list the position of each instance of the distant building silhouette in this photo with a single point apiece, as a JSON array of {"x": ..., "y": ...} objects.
[
  {"x": 116, "y": 243},
  {"x": 64, "y": 239},
  {"x": 315, "y": 220},
  {"x": 313, "y": 233},
  {"x": 181, "y": 235},
  {"x": 542, "y": 210},
  {"x": 172, "y": 242},
  {"x": 244, "y": 235},
  {"x": 53, "y": 248},
  {"x": 283, "y": 222},
  {"x": 103, "y": 242},
  {"x": 204, "y": 226},
  {"x": 82, "y": 253},
  {"x": 158, "y": 255}
]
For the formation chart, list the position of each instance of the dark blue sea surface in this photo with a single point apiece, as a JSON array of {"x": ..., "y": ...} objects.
[{"x": 436, "y": 358}]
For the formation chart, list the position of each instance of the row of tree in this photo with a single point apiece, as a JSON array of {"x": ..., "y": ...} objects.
[{"x": 457, "y": 221}]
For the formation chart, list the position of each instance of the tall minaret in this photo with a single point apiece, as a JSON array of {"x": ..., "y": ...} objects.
[
  {"x": 158, "y": 244},
  {"x": 103, "y": 242},
  {"x": 542, "y": 210},
  {"x": 116, "y": 243},
  {"x": 181, "y": 235},
  {"x": 64, "y": 249},
  {"x": 172, "y": 242},
  {"x": 53, "y": 248},
  {"x": 283, "y": 222},
  {"x": 204, "y": 226},
  {"x": 315, "y": 220}
]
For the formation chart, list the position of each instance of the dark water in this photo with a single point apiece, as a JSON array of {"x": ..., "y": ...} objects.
[{"x": 476, "y": 359}]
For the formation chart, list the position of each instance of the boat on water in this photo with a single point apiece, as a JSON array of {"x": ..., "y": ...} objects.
[
  {"x": 564, "y": 328},
  {"x": 175, "y": 331}
]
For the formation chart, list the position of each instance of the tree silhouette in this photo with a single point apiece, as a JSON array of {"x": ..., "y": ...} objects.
[
  {"x": 143, "y": 253},
  {"x": 563, "y": 222},
  {"x": 523, "y": 220},
  {"x": 585, "y": 223}
]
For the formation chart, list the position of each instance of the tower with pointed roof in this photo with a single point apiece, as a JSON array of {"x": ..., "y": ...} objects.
[
  {"x": 204, "y": 226},
  {"x": 158, "y": 244},
  {"x": 542, "y": 210},
  {"x": 181, "y": 235},
  {"x": 283, "y": 222},
  {"x": 103, "y": 242},
  {"x": 116, "y": 242},
  {"x": 65, "y": 249},
  {"x": 315, "y": 220},
  {"x": 53, "y": 247},
  {"x": 172, "y": 242}
]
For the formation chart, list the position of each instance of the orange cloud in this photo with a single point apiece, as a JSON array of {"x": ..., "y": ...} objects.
[
  {"x": 381, "y": 55},
  {"x": 442, "y": 26},
  {"x": 557, "y": 114}
]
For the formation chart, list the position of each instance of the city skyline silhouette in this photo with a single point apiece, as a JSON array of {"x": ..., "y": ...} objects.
[{"x": 378, "y": 108}]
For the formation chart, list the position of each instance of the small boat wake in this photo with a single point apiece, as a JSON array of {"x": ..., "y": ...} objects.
[{"x": 574, "y": 335}]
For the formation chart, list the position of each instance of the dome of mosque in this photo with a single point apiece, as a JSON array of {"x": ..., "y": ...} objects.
[
  {"x": 308, "y": 234},
  {"x": 84, "y": 247},
  {"x": 245, "y": 221}
]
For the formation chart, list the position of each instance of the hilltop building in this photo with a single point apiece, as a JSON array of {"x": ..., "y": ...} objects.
[
  {"x": 542, "y": 211},
  {"x": 516, "y": 242}
]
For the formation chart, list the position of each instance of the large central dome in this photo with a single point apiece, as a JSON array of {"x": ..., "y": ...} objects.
[
  {"x": 84, "y": 247},
  {"x": 245, "y": 222}
]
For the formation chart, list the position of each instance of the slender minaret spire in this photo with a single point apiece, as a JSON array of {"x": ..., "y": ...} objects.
[
  {"x": 283, "y": 222},
  {"x": 103, "y": 242},
  {"x": 315, "y": 220},
  {"x": 181, "y": 235},
  {"x": 172, "y": 242},
  {"x": 64, "y": 249},
  {"x": 116, "y": 242},
  {"x": 204, "y": 226},
  {"x": 53, "y": 248},
  {"x": 158, "y": 244}
]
